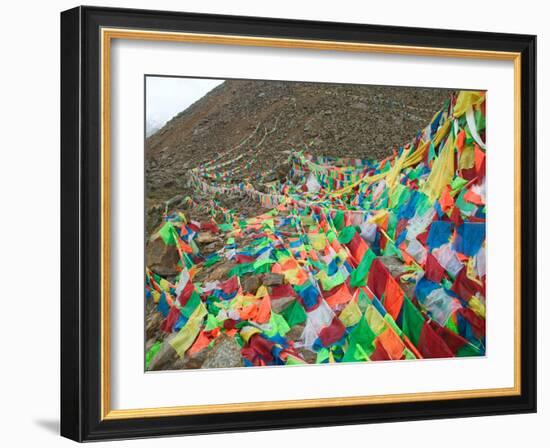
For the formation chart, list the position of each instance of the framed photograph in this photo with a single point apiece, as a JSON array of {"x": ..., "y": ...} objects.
[{"x": 276, "y": 224}]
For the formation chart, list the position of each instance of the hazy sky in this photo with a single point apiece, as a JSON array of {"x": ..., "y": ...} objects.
[{"x": 166, "y": 97}]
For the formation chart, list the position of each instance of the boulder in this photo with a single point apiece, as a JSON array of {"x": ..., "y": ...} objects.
[
  {"x": 161, "y": 258},
  {"x": 216, "y": 272},
  {"x": 224, "y": 354},
  {"x": 394, "y": 265},
  {"x": 206, "y": 238},
  {"x": 212, "y": 247},
  {"x": 251, "y": 283},
  {"x": 152, "y": 324},
  {"x": 295, "y": 332},
  {"x": 271, "y": 279},
  {"x": 308, "y": 356},
  {"x": 191, "y": 362},
  {"x": 175, "y": 201}
]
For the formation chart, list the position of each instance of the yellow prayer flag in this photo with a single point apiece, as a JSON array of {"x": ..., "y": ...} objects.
[
  {"x": 187, "y": 335},
  {"x": 351, "y": 314}
]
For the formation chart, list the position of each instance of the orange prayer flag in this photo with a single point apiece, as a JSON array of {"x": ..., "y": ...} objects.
[
  {"x": 384, "y": 223},
  {"x": 185, "y": 247},
  {"x": 479, "y": 157},
  {"x": 391, "y": 343},
  {"x": 336, "y": 245},
  {"x": 289, "y": 264},
  {"x": 201, "y": 342},
  {"x": 446, "y": 200},
  {"x": 460, "y": 139},
  {"x": 343, "y": 295},
  {"x": 313, "y": 255},
  {"x": 264, "y": 310},
  {"x": 249, "y": 312},
  {"x": 301, "y": 277},
  {"x": 393, "y": 297}
]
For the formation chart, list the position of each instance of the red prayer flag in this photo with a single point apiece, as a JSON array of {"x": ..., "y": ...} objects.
[
  {"x": 378, "y": 277},
  {"x": 230, "y": 285},
  {"x": 433, "y": 270},
  {"x": 186, "y": 293},
  {"x": 431, "y": 345},
  {"x": 333, "y": 333}
]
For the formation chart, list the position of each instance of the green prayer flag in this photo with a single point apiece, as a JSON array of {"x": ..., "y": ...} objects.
[
  {"x": 212, "y": 260},
  {"x": 278, "y": 325},
  {"x": 346, "y": 234},
  {"x": 361, "y": 342},
  {"x": 359, "y": 274},
  {"x": 241, "y": 269},
  {"x": 261, "y": 262},
  {"x": 468, "y": 350},
  {"x": 362, "y": 334},
  {"x": 412, "y": 321},
  {"x": 480, "y": 120},
  {"x": 166, "y": 232},
  {"x": 211, "y": 322},
  {"x": 151, "y": 353},
  {"x": 322, "y": 356},
  {"x": 225, "y": 227},
  {"x": 457, "y": 183},
  {"x": 408, "y": 354},
  {"x": 329, "y": 282},
  {"x": 338, "y": 220},
  {"x": 191, "y": 304},
  {"x": 294, "y": 314},
  {"x": 464, "y": 206},
  {"x": 291, "y": 361}
]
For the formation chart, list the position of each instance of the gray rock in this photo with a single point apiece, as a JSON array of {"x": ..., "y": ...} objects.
[
  {"x": 271, "y": 279},
  {"x": 224, "y": 354},
  {"x": 206, "y": 238},
  {"x": 152, "y": 325},
  {"x": 212, "y": 247},
  {"x": 161, "y": 258},
  {"x": 174, "y": 201},
  {"x": 295, "y": 332},
  {"x": 360, "y": 106},
  {"x": 191, "y": 362},
  {"x": 216, "y": 272},
  {"x": 308, "y": 356},
  {"x": 394, "y": 265},
  {"x": 251, "y": 283}
]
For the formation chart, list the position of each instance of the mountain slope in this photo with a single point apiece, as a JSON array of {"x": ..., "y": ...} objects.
[{"x": 264, "y": 120}]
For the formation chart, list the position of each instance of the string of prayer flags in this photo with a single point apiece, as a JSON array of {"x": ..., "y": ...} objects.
[{"x": 356, "y": 261}]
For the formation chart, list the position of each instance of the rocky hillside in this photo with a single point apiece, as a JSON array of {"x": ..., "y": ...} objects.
[
  {"x": 284, "y": 246},
  {"x": 265, "y": 120}
]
